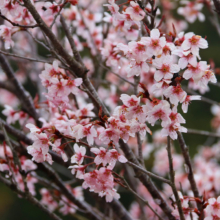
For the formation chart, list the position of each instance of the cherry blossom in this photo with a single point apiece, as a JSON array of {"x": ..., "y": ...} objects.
[
  {"x": 165, "y": 68},
  {"x": 191, "y": 11},
  {"x": 101, "y": 155},
  {"x": 12, "y": 116},
  {"x": 186, "y": 57},
  {"x": 155, "y": 43},
  {"x": 113, "y": 157},
  {"x": 175, "y": 94},
  {"x": 186, "y": 102},
  {"x": 159, "y": 111},
  {"x": 193, "y": 43},
  {"x": 135, "y": 12},
  {"x": 78, "y": 157},
  {"x": 6, "y": 34},
  {"x": 196, "y": 72},
  {"x": 213, "y": 208},
  {"x": 101, "y": 77}
]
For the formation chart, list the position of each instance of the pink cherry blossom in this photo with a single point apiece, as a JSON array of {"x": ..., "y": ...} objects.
[
  {"x": 79, "y": 170},
  {"x": 48, "y": 200},
  {"x": 171, "y": 130},
  {"x": 6, "y": 34},
  {"x": 113, "y": 156},
  {"x": 187, "y": 101},
  {"x": 193, "y": 43},
  {"x": 101, "y": 155},
  {"x": 12, "y": 116},
  {"x": 57, "y": 147},
  {"x": 135, "y": 12},
  {"x": 78, "y": 157},
  {"x": 186, "y": 57},
  {"x": 130, "y": 101},
  {"x": 191, "y": 11},
  {"x": 155, "y": 43},
  {"x": 176, "y": 94},
  {"x": 137, "y": 68},
  {"x": 51, "y": 9},
  {"x": 196, "y": 72},
  {"x": 159, "y": 111},
  {"x": 165, "y": 68},
  {"x": 213, "y": 208},
  {"x": 109, "y": 135}
]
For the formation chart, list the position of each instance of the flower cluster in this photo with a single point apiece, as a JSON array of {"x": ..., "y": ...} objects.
[
  {"x": 59, "y": 85},
  {"x": 100, "y": 180}
]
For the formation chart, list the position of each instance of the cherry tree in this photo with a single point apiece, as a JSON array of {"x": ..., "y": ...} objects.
[{"x": 83, "y": 85}]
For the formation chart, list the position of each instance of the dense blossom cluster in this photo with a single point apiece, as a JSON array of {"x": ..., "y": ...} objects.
[{"x": 138, "y": 70}]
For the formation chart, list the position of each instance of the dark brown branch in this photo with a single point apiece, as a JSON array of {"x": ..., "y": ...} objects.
[
  {"x": 29, "y": 197},
  {"x": 97, "y": 101},
  {"x": 7, "y": 86},
  {"x": 149, "y": 173},
  {"x": 145, "y": 179},
  {"x": 187, "y": 160},
  {"x": 23, "y": 95},
  {"x": 217, "y": 6},
  {"x": 18, "y": 25},
  {"x": 71, "y": 40},
  {"x": 172, "y": 178},
  {"x": 58, "y": 181},
  {"x": 119, "y": 210},
  {"x": 74, "y": 65}
]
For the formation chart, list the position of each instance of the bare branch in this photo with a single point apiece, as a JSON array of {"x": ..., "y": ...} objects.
[
  {"x": 25, "y": 58},
  {"x": 30, "y": 198},
  {"x": 18, "y": 25},
  {"x": 116, "y": 74},
  {"x": 145, "y": 179},
  {"x": 71, "y": 40},
  {"x": 74, "y": 65},
  {"x": 23, "y": 95},
  {"x": 217, "y": 6},
  {"x": 150, "y": 173},
  {"x": 172, "y": 178},
  {"x": 187, "y": 160},
  {"x": 206, "y": 133}
]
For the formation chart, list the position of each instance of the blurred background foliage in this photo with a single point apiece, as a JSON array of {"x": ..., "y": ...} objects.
[{"x": 198, "y": 117}]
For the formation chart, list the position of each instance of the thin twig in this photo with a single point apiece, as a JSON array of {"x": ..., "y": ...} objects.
[
  {"x": 21, "y": 93},
  {"x": 150, "y": 173},
  {"x": 142, "y": 199},
  {"x": 25, "y": 58},
  {"x": 54, "y": 20},
  {"x": 116, "y": 74},
  {"x": 206, "y": 133},
  {"x": 18, "y": 25},
  {"x": 71, "y": 40}
]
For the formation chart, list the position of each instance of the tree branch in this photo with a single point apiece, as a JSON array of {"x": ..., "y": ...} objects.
[
  {"x": 23, "y": 95},
  {"x": 172, "y": 178},
  {"x": 145, "y": 179},
  {"x": 217, "y": 6},
  {"x": 30, "y": 198},
  {"x": 187, "y": 160}
]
